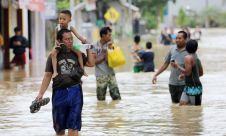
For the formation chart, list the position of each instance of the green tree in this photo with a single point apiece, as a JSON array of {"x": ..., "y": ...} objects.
[
  {"x": 182, "y": 19},
  {"x": 63, "y": 4},
  {"x": 151, "y": 10},
  {"x": 151, "y": 21},
  {"x": 214, "y": 16}
]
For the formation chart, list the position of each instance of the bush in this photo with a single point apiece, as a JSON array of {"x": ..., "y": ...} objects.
[
  {"x": 182, "y": 19},
  {"x": 151, "y": 21},
  {"x": 216, "y": 17},
  {"x": 63, "y": 4}
]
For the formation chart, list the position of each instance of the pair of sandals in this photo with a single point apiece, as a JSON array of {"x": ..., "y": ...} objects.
[{"x": 36, "y": 104}]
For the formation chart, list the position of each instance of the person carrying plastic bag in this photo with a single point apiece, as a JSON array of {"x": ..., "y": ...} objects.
[{"x": 115, "y": 56}]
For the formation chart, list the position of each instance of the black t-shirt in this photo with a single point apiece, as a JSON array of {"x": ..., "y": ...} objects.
[
  {"x": 18, "y": 50},
  {"x": 66, "y": 63},
  {"x": 166, "y": 39}
]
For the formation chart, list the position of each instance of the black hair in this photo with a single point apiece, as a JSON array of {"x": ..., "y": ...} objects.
[
  {"x": 17, "y": 29},
  {"x": 191, "y": 46},
  {"x": 67, "y": 12},
  {"x": 136, "y": 39},
  {"x": 148, "y": 45},
  {"x": 104, "y": 31},
  {"x": 185, "y": 35},
  {"x": 61, "y": 32}
]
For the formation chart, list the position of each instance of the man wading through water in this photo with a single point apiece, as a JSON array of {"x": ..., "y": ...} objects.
[
  {"x": 176, "y": 53},
  {"x": 67, "y": 98}
]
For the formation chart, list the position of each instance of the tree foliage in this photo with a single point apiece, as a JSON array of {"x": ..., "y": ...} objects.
[
  {"x": 152, "y": 6},
  {"x": 182, "y": 19},
  {"x": 151, "y": 10},
  {"x": 216, "y": 17},
  {"x": 63, "y": 4}
]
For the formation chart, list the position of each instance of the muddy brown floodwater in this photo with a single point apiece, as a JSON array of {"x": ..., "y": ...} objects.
[{"x": 145, "y": 109}]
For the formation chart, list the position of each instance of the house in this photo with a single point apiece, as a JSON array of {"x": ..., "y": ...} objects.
[
  {"x": 86, "y": 18},
  {"x": 30, "y": 16}
]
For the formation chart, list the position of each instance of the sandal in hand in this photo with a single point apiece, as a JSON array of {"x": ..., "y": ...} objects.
[{"x": 36, "y": 104}]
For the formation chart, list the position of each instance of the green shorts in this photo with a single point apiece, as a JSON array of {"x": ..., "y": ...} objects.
[{"x": 137, "y": 69}]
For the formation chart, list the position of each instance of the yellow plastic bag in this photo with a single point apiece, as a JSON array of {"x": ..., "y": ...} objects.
[{"x": 115, "y": 57}]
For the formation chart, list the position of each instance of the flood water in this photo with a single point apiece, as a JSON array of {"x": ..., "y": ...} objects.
[{"x": 145, "y": 109}]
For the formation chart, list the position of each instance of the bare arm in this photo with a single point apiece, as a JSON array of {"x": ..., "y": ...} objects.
[
  {"x": 188, "y": 62},
  {"x": 81, "y": 38},
  {"x": 200, "y": 71},
  {"x": 200, "y": 68},
  {"x": 133, "y": 53},
  {"x": 45, "y": 83},
  {"x": 55, "y": 36},
  {"x": 136, "y": 55},
  {"x": 91, "y": 58},
  {"x": 101, "y": 57},
  {"x": 161, "y": 69},
  {"x": 54, "y": 53}
]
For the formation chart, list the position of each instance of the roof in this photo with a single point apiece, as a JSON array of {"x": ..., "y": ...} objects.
[
  {"x": 129, "y": 5},
  {"x": 79, "y": 6},
  {"x": 82, "y": 5}
]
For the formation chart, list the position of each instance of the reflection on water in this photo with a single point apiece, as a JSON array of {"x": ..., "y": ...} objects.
[
  {"x": 187, "y": 120},
  {"x": 144, "y": 110}
]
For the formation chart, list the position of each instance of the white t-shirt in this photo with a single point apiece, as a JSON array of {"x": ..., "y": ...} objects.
[{"x": 59, "y": 28}]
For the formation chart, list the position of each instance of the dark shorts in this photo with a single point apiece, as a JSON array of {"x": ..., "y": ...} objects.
[
  {"x": 19, "y": 59},
  {"x": 67, "y": 108},
  {"x": 176, "y": 92}
]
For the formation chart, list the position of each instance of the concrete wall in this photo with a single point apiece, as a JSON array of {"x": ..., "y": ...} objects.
[{"x": 38, "y": 36}]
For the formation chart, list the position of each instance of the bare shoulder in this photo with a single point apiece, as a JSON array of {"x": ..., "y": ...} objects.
[
  {"x": 189, "y": 59},
  {"x": 134, "y": 47},
  {"x": 74, "y": 31}
]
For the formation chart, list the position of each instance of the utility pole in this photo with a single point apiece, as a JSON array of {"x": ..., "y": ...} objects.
[
  {"x": 207, "y": 17},
  {"x": 131, "y": 15},
  {"x": 72, "y": 4}
]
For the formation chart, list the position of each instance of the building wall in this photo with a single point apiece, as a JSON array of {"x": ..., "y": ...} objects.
[
  {"x": 38, "y": 36},
  {"x": 12, "y": 20},
  {"x": 37, "y": 28},
  {"x": 123, "y": 25}
]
